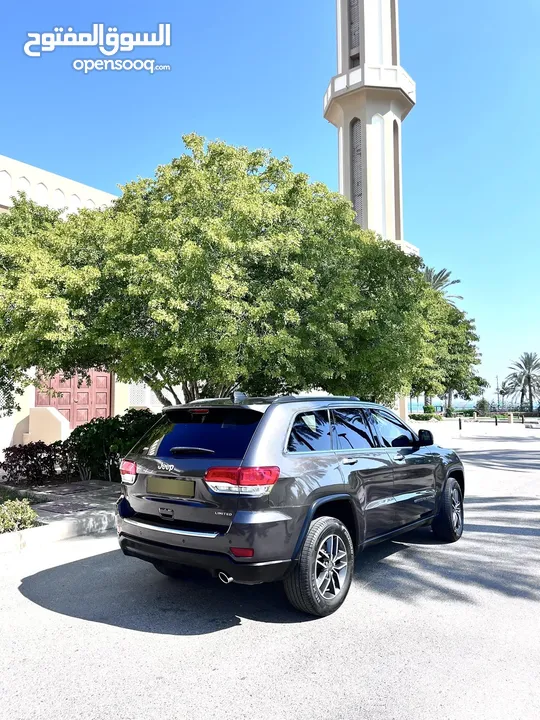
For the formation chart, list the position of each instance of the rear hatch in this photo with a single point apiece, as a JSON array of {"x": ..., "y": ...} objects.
[{"x": 173, "y": 457}]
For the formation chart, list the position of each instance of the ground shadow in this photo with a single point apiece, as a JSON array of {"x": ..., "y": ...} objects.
[
  {"x": 112, "y": 589},
  {"x": 508, "y": 460}
]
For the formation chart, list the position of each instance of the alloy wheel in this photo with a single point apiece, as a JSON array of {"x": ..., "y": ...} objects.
[
  {"x": 331, "y": 567},
  {"x": 457, "y": 510}
]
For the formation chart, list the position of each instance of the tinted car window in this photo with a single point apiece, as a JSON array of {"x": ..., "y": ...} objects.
[
  {"x": 352, "y": 430},
  {"x": 310, "y": 432},
  {"x": 200, "y": 432},
  {"x": 391, "y": 431}
]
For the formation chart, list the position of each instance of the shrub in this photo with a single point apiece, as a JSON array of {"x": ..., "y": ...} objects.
[
  {"x": 450, "y": 412},
  {"x": 16, "y": 515},
  {"x": 483, "y": 407},
  {"x": 424, "y": 417},
  {"x": 429, "y": 410},
  {"x": 468, "y": 413},
  {"x": 35, "y": 464},
  {"x": 97, "y": 446},
  {"x": 93, "y": 450}
]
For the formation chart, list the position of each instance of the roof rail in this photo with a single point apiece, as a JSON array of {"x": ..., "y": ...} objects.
[{"x": 313, "y": 398}]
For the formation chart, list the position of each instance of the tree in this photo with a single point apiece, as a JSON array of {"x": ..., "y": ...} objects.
[
  {"x": 483, "y": 407},
  {"x": 440, "y": 281},
  {"x": 524, "y": 380},
  {"x": 227, "y": 270},
  {"x": 451, "y": 354}
]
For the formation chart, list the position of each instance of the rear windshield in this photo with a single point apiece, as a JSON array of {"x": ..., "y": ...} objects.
[{"x": 201, "y": 432}]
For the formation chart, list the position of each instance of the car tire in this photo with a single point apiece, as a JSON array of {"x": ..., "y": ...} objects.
[
  {"x": 171, "y": 570},
  {"x": 448, "y": 525},
  {"x": 321, "y": 577}
]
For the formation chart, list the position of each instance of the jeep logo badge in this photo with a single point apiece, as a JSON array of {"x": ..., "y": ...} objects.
[{"x": 165, "y": 466}]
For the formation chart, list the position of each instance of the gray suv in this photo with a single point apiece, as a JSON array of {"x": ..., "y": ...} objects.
[{"x": 289, "y": 488}]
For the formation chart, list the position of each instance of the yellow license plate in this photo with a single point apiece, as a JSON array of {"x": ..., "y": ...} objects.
[{"x": 170, "y": 486}]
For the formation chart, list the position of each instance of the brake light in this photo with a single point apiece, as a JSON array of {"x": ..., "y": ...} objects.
[
  {"x": 252, "y": 481},
  {"x": 128, "y": 472}
]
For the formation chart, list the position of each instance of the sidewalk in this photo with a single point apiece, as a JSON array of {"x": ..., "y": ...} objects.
[{"x": 66, "y": 511}]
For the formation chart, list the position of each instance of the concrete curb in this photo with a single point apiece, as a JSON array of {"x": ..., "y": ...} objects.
[{"x": 85, "y": 523}]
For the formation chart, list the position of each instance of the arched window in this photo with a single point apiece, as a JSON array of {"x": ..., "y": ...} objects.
[
  {"x": 354, "y": 33},
  {"x": 357, "y": 168},
  {"x": 41, "y": 194},
  {"x": 393, "y": 11},
  {"x": 397, "y": 181}
]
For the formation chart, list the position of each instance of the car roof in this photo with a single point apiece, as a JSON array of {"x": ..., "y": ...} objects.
[{"x": 262, "y": 403}]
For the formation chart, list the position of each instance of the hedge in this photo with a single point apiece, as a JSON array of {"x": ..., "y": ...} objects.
[
  {"x": 93, "y": 450},
  {"x": 424, "y": 417}
]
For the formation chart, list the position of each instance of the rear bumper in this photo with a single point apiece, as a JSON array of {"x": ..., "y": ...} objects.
[{"x": 244, "y": 572}]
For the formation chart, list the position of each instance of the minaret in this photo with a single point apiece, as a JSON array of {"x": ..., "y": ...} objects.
[{"x": 367, "y": 101}]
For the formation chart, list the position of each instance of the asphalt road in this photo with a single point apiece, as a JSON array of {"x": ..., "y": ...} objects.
[{"x": 428, "y": 631}]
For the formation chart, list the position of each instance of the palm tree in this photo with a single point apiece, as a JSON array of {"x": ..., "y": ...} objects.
[
  {"x": 440, "y": 281},
  {"x": 524, "y": 378}
]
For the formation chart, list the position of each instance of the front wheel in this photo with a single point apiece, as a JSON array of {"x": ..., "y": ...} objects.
[
  {"x": 448, "y": 525},
  {"x": 322, "y": 576}
]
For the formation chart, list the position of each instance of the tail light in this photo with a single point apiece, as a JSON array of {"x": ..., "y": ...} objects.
[
  {"x": 250, "y": 481},
  {"x": 128, "y": 472}
]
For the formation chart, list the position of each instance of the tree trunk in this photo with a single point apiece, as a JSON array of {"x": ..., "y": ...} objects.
[
  {"x": 428, "y": 399},
  {"x": 158, "y": 392},
  {"x": 530, "y": 394},
  {"x": 450, "y": 393}
]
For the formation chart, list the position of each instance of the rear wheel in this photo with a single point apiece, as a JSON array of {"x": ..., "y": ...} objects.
[
  {"x": 171, "y": 570},
  {"x": 322, "y": 576},
  {"x": 448, "y": 525}
]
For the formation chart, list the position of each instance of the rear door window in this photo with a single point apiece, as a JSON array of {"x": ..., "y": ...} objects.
[
  {"x": 310, "y": 432},
  {"x": 201, "y": 432},
  {"x": 352, "y": 430}
]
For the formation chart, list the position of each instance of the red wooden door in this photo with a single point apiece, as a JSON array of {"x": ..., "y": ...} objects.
[{"x": 79, "y": 403}]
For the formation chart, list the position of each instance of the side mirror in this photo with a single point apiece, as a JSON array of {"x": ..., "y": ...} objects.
[{"x": 425, "y": 438}]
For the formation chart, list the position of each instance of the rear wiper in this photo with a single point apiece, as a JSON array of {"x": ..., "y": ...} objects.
[{"x": 180, "y": 450}]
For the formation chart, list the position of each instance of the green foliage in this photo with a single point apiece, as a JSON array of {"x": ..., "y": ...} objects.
[
  {"x": 93, "y": 450},
  {"x": 16, "y": 515},
  {"x": 429, "y": 409},
  {"x": 483, "y": 407},
  {"x": 440, "y": 281},
  {"x": 450, "y": 412},
  {"x": 467, "y": 413},
  {"x": 226, "y": 270},
  {"x": 524, "y": 380},
  {"x": 97, "y": 446},
  {"x": 10, "y": 388},
  {"x": 451, "y": 352},
  {"x": 424, "y": 417},
  {"x": 35, "y": 464}
]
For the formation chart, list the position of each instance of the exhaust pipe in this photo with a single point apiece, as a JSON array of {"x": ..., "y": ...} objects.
[{"x": 226, "y": 579}]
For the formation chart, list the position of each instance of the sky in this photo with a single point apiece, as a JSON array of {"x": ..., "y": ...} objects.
[{"x": 254, "y": 73}]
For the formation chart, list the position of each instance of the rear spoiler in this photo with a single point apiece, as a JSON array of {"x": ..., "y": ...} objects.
[{"x": 198, "y": 407}]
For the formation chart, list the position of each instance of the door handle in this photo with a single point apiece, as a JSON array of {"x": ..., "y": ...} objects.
[
  {"x": 399, "y": 457},
  {"x": 349, "y": 461}
]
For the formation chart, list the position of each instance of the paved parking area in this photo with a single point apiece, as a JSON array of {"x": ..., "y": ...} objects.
[{"x": 428, "y": 631}]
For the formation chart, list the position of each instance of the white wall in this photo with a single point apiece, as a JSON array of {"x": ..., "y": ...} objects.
[{"x": 46, "y": 188}]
